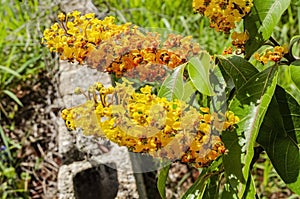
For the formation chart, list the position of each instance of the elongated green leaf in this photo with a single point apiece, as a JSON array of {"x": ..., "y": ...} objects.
[
  {"x": 251, "y": 191},
  {"x": 295, "y": 73},
  {"x": 218, "y": 102},
  {"x": 212, "y": 189},
  {"x": 228, "y": 192},
  {"x": 279, "y": 141},
  {"x": 161, "y": 182},
  {"x": 261, "y": 21},
  {"x": 270, "y": 12},
  {"x": 23, "y": 67},
  {"x": 238, "y": 69},
  {"x": 13, "y": 96},
  {"x": 198, "y": 188},
  {"x": 290, "y": 111},
  {"x": 250, "y": 104},
  {"x": 232, "y": 159},
  {"x": 10, "y": 71},
  {"x": 199, "y": 72},
  {"x": 5, "y": 141},
  {"x": 172, "y": 87}
]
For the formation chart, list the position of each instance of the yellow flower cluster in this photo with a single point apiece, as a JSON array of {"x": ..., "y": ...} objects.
[
  {"x": 274, "y": 55},
  {"x": 75, "y": 36},
  {"x": 146, "y": 123},
  {"x": 142, "y": 55},
  {"x": 117, "y": 49},
  {"x": 223, "y": 14},
  {"x": 238, "y": 41}
]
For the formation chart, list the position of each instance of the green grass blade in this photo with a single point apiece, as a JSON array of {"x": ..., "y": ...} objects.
[
  {"x": 13, "y": 96},
  {"x": 5, "y": 141},
  {"x": 161, "y": 182},
  {"x": 10, "y": 71}
]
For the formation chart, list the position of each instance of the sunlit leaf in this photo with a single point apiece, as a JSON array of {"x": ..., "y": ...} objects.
[
  {"x": 173, "y": 86},
  {"x": 232, "y": 159},
  {"x": 199, "y": 71},
  {"x": 250, "y": 191},
  {"x": 261, "y": 22},
  {"x": 250, "y": 105},
  {"x": 295, "y": 72},
  {"x": 188, "y": 89}
]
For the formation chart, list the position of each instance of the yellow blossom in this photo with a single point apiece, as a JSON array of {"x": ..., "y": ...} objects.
[
  {"x": 146, "y": 123},
  {"x": 223, "y": 14},
  {"x": 274, "y": 55},
  {"x": 77, "y": 33}
]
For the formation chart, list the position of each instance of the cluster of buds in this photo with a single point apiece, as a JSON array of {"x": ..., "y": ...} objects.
[
  {"x": 146, "y": 123},
  {"x": 274, "y": 55},
  {"x": 223, "y": 14}
]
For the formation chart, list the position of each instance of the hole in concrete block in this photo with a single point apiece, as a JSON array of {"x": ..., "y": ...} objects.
[{"x": 100, "y": 182}]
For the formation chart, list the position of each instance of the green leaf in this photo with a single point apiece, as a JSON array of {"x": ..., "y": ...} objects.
[
  {"x": 199, "y": 72},
  {"x": 161, "y": 182},
  {"x": 5, "y": 140},
  {"x": 228, "y": 192},
  {"x": 295, "y": 72},
  {"x": 278, "y": 136},
  {"x": 24, "y": 66},
  {"x": 199, "y": 185},
  {"x": 232, "y": 159},
  {"x": 198, "y": 188},
  {"x": 188, "y": 89},
  {"x": 294, "y": 41},
  {"x": 173, "y": 86},
  {"x": 13, "y": 96},
  {"x": 212, "y": 189},
  {"x": 290, "y": 111},
  {"x": 261, "y": 21},
  {"x": 10, "y": 173},
  {"x": 270, "y": 12},
  {"x": 250, "y": 105},
  {"x": 10, "y": 71},
  {"x": 251, "y": 191},
  {"x": 238, "y": 69},
  {"x": 295, "y": 187}
]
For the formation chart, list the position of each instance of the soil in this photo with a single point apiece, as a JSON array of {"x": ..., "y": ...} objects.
[{"x": 34, "y": 129}]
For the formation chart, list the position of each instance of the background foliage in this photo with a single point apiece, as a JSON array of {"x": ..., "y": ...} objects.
[{"x": 22, "y": 59}]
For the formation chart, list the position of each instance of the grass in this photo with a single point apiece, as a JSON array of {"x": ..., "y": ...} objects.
[
  {"x": 22, "y": 58},
  {"x": 171, "y": 16}
]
